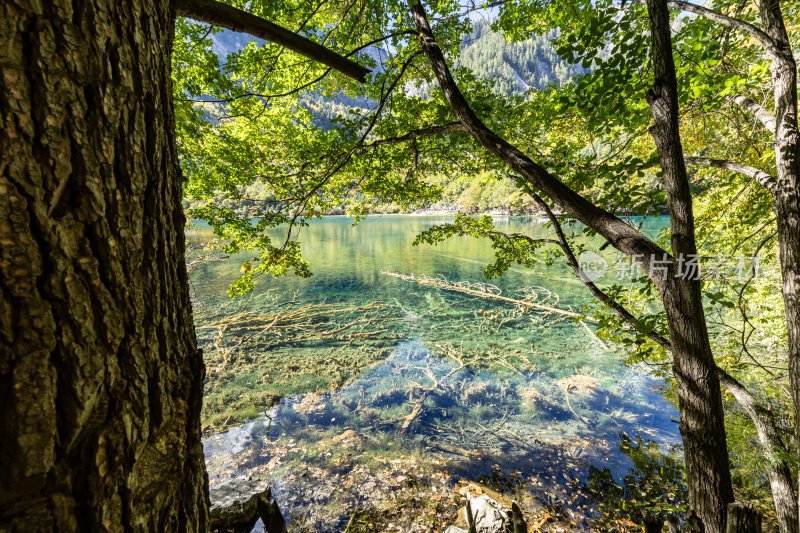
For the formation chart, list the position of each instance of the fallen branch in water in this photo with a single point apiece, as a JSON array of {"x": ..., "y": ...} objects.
[
  {"x": 481, "y": 290},
  {"x": 437, "y": 383}
]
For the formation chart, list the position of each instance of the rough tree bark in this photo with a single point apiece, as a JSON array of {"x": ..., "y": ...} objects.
[
  {"x": 100, "y": 376},
  {"x": 101, "y": 380},
  {"x": 699, "y": 395},
  {"x": 785, "y": 190},
  {"x": 743, "y": 517},
  {"x": 786, "y": 196},
  {"x": 702, "y": 423}
]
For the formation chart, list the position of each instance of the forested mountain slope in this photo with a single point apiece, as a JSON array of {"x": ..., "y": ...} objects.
[{"x": 514, "y": 67}]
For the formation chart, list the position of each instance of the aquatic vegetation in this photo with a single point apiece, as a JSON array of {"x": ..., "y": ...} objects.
[{"x": 449, "y": 414}]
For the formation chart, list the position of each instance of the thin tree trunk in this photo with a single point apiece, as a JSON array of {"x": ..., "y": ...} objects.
[
  {"x": 774, "y": 450},
  {"x": 702, "y": 405},
  {"x": 702, "y": 422},
  {"x": 773, "y": 447},
  {"x": 786, "y": 196},
  {"x": 100, "y": 378},
  {"x": 787, "y": 209}
]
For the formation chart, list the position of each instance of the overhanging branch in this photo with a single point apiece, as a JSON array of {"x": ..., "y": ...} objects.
[
  {"x": 226, "y": 16},
  {"x": 766, "y": 180},
  {"x": 768, "y": 434},
  {"x": 413, "y": 134},
  {"x": 596, "y": 291},
  {"x": 621, "y": 235}
]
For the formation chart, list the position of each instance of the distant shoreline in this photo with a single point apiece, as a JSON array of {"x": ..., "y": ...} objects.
[
  {"x": 201, "y": 225},
  {"x": 450, "y": 214}
]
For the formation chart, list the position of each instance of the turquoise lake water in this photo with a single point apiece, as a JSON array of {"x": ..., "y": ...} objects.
[{"x": 522, "y": 398}]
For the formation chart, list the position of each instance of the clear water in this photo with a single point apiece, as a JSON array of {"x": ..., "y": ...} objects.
[{"x": 524, "y": 401}]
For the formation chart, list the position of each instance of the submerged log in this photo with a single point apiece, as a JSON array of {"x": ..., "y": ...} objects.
[
  {"x": 482, "y": 290},
  {"x": 437, "y": 384}
]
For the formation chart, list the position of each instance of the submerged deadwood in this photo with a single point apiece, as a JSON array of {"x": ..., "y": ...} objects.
[{"x": 489, "y": 292}]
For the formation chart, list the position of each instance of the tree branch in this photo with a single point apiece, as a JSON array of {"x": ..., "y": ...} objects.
[
  {"x": 765, "y": 117},
  {"x": 359, "y": 143},
  {"x": 413, "y": 134},
  {"x": 780, "y": 475},
  {"x": 226, "y": 16},
  {"x": 472, "y": 8},
  {"x": 724, "y": 20},
  {"x": 596, "y": 291},
  {"x": 621, "y": 235},
  {"x": 766, "y": 181}
]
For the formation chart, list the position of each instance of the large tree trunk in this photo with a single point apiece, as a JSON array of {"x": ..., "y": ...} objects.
[
  {"x": 100, "y": 377},
  {"x": 702, "y": 423}
]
